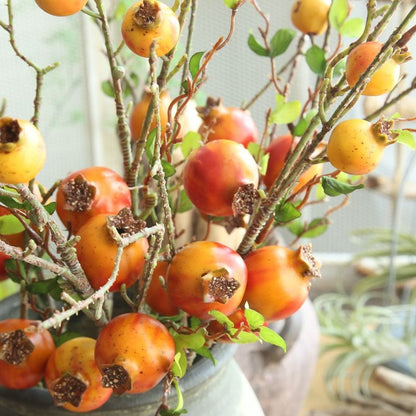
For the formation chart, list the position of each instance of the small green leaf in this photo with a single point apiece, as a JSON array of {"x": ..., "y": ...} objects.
[
  {"x": 316, "y": 228},
  {"x": 256, "y": 47},
  {"x": 296, "y": 226},
  {"x": 120, "y": 10},
  {"x": 66, "y": 336},
  {"x": 150, "y": 145},
  {"x": 284, "y": 112},
  {"x": 263, "y": 163},
  {"x": 168, "y": 168},
  {"x": 304, "y": 122},
  {"x": 190, "y": 341},
  {"x": 271, "y": 337},
  {"x": 352, "y": 28},
  {"x": 15, "y": 269},
  {"x": 14, "y": 203},
  {"x": 395, "y": 116},
  {"x": 9, "y": 224},
  {"x": 281, "y": 41},
  {"x": 258, "y": 154},
  {"x": 245, "y": 338},
  {"x": 180, "y": 364},
  {"x": 191, "y": 141},
  {"x": 50, "y": 208},
  {"x": 185, "y": 203},
  {"x": 231, "y": 4},
  {"x": 134, "y": 79},
  {"x": 338, "y": 13},
  {"x": 43, "y": 287},
  {"x": 315, "y": 58},
  {"x": 107, "y": 88},
  {"x": 405, "y": 137},
  {"x": 195, "y": 63},
  {"x": 222, "y": 319},
  {"x": 179, "y": 400},
  {"x": 206, "y": 352},
  {"x": 254, "y": 319},
  {"x": 335, "y": 187},
  {"x": 286, "y": 212},
  {"x": 339, "y": 69}
]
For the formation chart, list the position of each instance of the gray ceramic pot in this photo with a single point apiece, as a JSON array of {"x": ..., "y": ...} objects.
[{"x": 208, "y": 390}]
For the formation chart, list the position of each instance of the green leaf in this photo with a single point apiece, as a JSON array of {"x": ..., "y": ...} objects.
[
  {"x": 206, "y": 352},
  {"x": 107, "y": 89},
  {"x": 7, "y": 288},
  {"x": 185, "y": 203},
  {"x": 222, "y": 319},
  {"x": 150, "y": 145},
  {"x": 315, "y": 58},
  {"x": 245, "y": 338},
  {"x": 352, "y": 28},
  {"x": 405, "y": 137},
  {"x": 304, "y": 122},
  {"x": 316, "y": 228},
  {"x": 338, "y": 13},
  {"x": 195, "y": 63},
  {"x": 255, "y": 46},
  {"x": 295, "y": 226},
  {"x": 286, "y": 212},
  {"x": 335, "y": 187},
  {"x": 258, "y": 154},
  {"x": 281, "y": 41},
  {"x": 191, "y": 141},
  {"x": 284, "y": 112},
  {"x": 9, "y": 224},
  {"x": 50, "y": 208},
  {"x": 254, "y": 319},
  {"x": 168, "y": 168},
  {"x": 231, "y": 4},
  {"x": 15, "y": 269},
  {"x": 340, "y": 68},
  {"x": 43, "y": 287},
  {"x": 192, "y": 341},
  {"x": 271, "y": 337},
  {"x": 14, "y": 203},
  {"x": 180, "y": 364},
  {"x": 66, "y": 336},
  {"x": 120, "y": 10}
]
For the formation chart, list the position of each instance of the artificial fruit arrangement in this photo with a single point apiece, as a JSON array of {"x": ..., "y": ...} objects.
[{"x": 99, "y": 238}]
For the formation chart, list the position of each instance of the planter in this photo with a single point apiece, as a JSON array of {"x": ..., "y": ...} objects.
[
  {"x": 281, "y": 381},
  {"x": 208, "y": 390}
]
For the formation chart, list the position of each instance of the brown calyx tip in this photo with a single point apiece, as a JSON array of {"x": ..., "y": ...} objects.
[
  {"x": 245, "y": 199},
  {"x": 402, "y": 55},
  {"x": 205, "y": 111},
  {"x": 231, "y": 223},
  {"x": 147, "y": 13},
  {"x": 15, "y": 347},
  {"x": 383, "y": 130},
  {"x": 68, "y": 389},
  {"x": 79, "y": 194},
  {"x": 313, "y": 266},
  {"x": 219, "y": 286},
  {"x": 125, "y": 223},
  {"x": 9, "y": 131},
  {"x": 117, "y": 378}
]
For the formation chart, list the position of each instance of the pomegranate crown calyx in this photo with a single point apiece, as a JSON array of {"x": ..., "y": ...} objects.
[
  {"x": 313, "y": 266},
  {"x": 383, "y": 130},
  {"x": 147, "y": 14}
]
